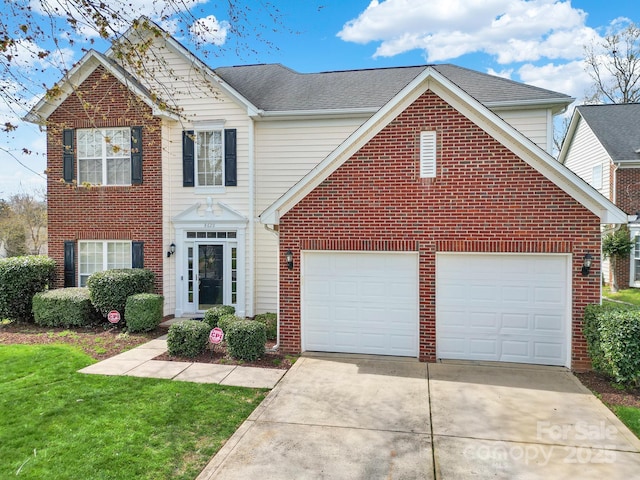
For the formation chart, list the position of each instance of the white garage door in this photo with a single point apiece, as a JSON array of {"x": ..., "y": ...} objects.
[
  {"x": 360, "y": 302},
  {"x": 509, "y": 308}
]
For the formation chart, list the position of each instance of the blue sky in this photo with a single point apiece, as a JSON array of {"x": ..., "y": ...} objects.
[{"x": 535, "y": 41}]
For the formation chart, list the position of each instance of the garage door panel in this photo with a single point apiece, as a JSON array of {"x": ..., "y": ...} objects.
[
  {"x": 373, "y": 299},
  {"x": 515, "y": 323},
  {"x": 483, "y": 346},
  {"x": 550, "y": 324},
  {"x": 503, "y": 307}
]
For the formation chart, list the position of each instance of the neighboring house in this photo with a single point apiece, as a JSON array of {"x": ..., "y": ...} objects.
[
  {"x": 602, "y": 146},
  {"x": 394, "y": 190}
]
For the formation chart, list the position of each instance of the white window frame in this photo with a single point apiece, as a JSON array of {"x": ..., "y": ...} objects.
[
  {"x": 634, "y": 255},
  {"x": 209, "y": 127},
  {"x": 104, "y": 155},
  {"x": 428, "y": 162},
  {"x": 596, "y": 177},
  {"x": 84, "y": 274}
]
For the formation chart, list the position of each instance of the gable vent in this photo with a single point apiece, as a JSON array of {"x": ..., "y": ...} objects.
[{"x": 427, "y": 154}]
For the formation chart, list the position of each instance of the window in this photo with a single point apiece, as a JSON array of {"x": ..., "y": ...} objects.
[
  {"x": 104, "y": 156},
  {"x": 636, "y": 259},
  {"x": 209, "y": 157},
  {"x": 98, "y": 256},
  {"x": 596, "y": 177},
  {"x": 427, "y": 154},
  {"x": 209, "y": 161}
]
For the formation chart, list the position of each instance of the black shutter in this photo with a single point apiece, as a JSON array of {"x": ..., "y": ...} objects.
[
  {"x": 136, "y": 155},
  {"x": 137, "y": 254},
  {"x": 69, "y": 263},
  {"x": 67, "y": 155},
  {"x": 230, "y": 158},
  {"x": 188, "y": 166}
]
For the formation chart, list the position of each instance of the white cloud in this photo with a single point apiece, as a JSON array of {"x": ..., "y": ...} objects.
[
  {"x": 210, "y": 30},
  {"x": 570, "y": 78},
  {"x": 510, "y": 30}
]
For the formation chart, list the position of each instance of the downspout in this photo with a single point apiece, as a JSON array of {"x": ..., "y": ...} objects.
[
  {"x": 277, "y": 345},
  {"x": 252, "y": 223}
]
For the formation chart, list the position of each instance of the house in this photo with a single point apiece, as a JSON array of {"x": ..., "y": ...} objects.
[
  {"x": 602, "y": 146},
  {"x": 404, "y": 211}
]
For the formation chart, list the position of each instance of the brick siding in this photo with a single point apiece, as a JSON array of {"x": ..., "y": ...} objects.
[
  {"x": 483, "y": 199},
  {"x": 102, "y": 212}
]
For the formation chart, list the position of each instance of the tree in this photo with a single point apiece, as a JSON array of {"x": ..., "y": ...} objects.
[
  {"x": 614, "y": 66},
  {"x": 41, "y": 39},
  {"x": 23, "y": 224},
  {"x": 616, "y": 246}
]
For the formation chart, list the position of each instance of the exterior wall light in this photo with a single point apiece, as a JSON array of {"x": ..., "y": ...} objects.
[
  {"x": 172, "y": 250},
  {"x": 586, "y": 264},
  {"x": 289, "y": 257}
]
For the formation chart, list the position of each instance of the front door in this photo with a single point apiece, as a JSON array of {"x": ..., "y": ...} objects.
[{"x": 210, "y": 276}]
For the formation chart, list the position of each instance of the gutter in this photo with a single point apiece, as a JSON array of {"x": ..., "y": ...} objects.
[{"x": 277, "y": 345}]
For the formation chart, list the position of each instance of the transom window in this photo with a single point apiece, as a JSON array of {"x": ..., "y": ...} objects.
[
  {"x": 211, "y": 234},
  {"x": 104, "y": 156},
  {"x": 209, "y": 158},
  {"x": 96, "y": 256}
]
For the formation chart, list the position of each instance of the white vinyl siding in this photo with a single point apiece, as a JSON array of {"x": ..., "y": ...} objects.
[
  {"x": 104, "y": 156},
  {"x": 286, "y": 151},
  {"x": 584, "y": 153},
  {"x": 537, "y": 125},
  {"x": 97, "y": 256},
  {"x": 427, "y": 154}
]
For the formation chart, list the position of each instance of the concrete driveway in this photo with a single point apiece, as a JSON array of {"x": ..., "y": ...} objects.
[{"x": 366, "y": 417}]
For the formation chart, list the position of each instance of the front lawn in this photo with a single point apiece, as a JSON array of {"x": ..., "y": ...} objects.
[
  {"x": 57, "y": 423},
  {"x": 628, "y": 295}
]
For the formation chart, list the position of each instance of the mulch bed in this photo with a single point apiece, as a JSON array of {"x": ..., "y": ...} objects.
[
  {"x": 218, "y": 354},
  {"x": 104, "y": 341},
  {"x": 99, "y": 342},
  {"x": 608, "y": 391}
]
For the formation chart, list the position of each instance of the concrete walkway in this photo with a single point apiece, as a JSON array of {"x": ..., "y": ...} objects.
[
  {"x": 365, "y": 417},
  {"x": 139, "y": 362}
]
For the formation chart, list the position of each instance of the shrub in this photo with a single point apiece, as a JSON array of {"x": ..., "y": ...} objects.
[
  {"x": 613, "y": 341},
  {"x": 109, "y": 289},
  {"x": 64, "y": 307},
  {"x": 270, "y": 321},
  {"x": 212, "y": 315},
  {"x": 188, "y": 338},
  {"x": 225, "y": 322},
  {"x": 143, "y": 311},
  {"x": 245, "y": 340},
  {"x": 21, "y": 278}
]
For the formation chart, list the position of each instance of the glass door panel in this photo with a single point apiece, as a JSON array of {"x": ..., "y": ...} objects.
[{"x": 210, "y": 276}]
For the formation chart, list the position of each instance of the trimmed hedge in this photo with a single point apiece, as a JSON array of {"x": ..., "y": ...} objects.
[
  {"x": 188, "y": 338},
  {"x": 270, "y": 321},
  {"x": 21, "y": 278},
  {"x": 613, "y": 341},
  {"x": 212, "y": 315},
  {"x": 143, "y": 311},
  {"x": 245, "y": 340},
  {"x": 110, "y": 289},
  {"x": 225, "y": 322},
  {"x": 64, "y": 307}
]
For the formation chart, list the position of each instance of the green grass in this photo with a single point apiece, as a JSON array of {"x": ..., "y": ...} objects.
[
  {"x": 57, "y": 423},
  {"x": 630, "y": 416},
  {"x": 628, "y": 295}
]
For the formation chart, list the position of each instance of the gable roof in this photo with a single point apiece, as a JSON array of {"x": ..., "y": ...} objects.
[
  {"x": 79, "y": 73},
  {"x": 431, "y": 79},
  {"x": 616, "y": 126},
  {"x": 276, "y": 88}
]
